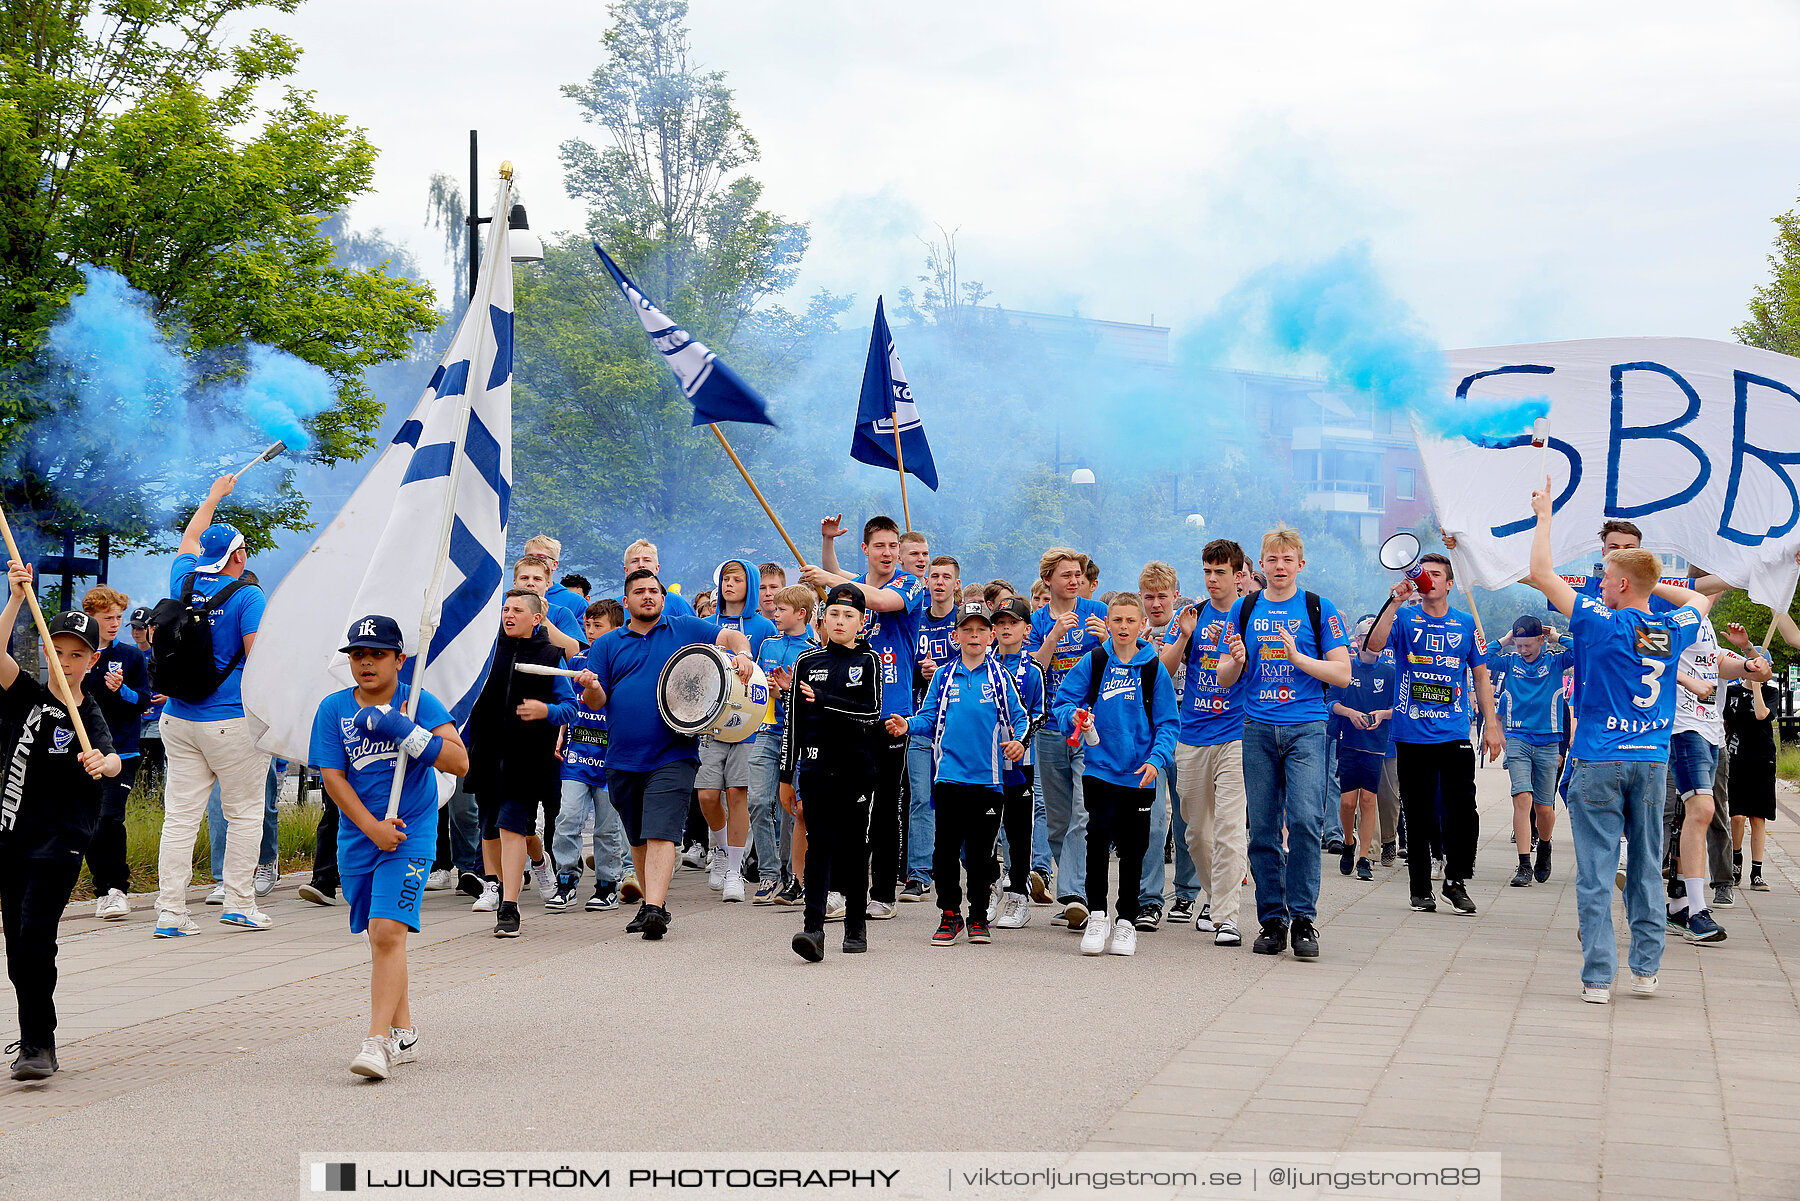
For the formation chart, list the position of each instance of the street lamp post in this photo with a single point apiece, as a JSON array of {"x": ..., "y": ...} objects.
[{"x": 526, "y": 246}]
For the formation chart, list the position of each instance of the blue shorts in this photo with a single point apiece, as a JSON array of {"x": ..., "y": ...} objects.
[
  {"x": 1693, "y": 761},
  {"x": 1358, "y": 771},
  {"x": 1532, "y": 769},
  {"x": 394, "y": 890}
]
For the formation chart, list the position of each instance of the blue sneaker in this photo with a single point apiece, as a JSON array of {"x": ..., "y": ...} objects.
[
  {"x": 1702, "y": 928},
  {"x": 174, "y": 925},
  {"x": 247, "y": 919}
]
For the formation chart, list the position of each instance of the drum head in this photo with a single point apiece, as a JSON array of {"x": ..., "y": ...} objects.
[{"x": 692, "y": 689}]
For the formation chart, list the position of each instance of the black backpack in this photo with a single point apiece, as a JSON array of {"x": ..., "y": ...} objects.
[
  {"x": 181, "y": 645},
  {"x": 1313, "y": 609},
  {"x": 1146, "y": 677}
]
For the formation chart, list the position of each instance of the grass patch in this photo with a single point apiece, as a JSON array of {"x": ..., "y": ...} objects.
[
  {"x": 1787, "y": 762},
  {"x": 295, "y": 833}
]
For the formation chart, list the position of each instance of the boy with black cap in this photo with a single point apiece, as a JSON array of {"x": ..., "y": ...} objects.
[
  {"x": 49, "y": 807},
  {"x": 829, "y": 754},
  {"x": 1529, "y": 696},
  {"x": 975, "y": 719},
  {"x": 383, "y": 861}
]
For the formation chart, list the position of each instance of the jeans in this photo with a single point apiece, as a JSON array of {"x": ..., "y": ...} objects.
[
  {"x": 1531, "y": 768},
  {"x": 1284, "y": 776},
  {"x": 1187, "y": 880},
  {"x": 200, "y": 754},
  {"x": 1040, "y": 827},
  {"x": 765, "y": 807},
  {"x": 579, "y": 800},
  {"x": 1608, "y": 798},
  {"x": 921, "y": 818},
  {"x": 271, "y": 827},
  {"x": 1333, "y": 828},
  {"x": 1065, "y": 818}
]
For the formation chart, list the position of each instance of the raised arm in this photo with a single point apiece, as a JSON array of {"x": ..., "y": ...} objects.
[
  {"x": 1543, "y": 575},
  {"x": 203, "y": 516},
  {"x": 18, "y": 578}
]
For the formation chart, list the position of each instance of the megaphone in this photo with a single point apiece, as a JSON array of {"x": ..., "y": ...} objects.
[{"x": 1401, "y": 553}]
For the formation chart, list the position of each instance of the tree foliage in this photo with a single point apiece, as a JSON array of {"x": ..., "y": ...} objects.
[{"x": 1775, "y": 306}]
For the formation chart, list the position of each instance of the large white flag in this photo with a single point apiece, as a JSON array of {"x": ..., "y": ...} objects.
[
  {"x": 1694, "y": 441},
  {"x": 405, "y": 545}
]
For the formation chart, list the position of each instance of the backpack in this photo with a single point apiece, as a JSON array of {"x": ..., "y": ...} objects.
[
  {"x": 1312, "y": 610},
  {"x": 1146, "y": 677},
  {"x": 181, "y": 645}
]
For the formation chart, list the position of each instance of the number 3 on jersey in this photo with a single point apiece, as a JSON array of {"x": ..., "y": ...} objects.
[
  {"x": 1656, "y": 648},
  {"x": 1652, "y": 681}
]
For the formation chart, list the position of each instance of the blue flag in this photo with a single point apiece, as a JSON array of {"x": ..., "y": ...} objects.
[
  {"x": 885, "y": 399},
  {"x": 716, "y": 390}
]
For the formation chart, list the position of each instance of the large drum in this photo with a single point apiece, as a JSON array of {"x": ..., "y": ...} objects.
[{"x": 700, "y": 695}]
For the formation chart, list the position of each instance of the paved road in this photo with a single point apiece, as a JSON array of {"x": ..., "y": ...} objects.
[{"x": 210, "y": 1066}]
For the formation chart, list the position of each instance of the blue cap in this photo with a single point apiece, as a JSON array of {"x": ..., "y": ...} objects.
[
  {"x": 375, "y": 632},
  {"x": 216, "y": 545}
]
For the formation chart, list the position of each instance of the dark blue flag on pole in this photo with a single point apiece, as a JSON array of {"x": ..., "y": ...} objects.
[
  {"x": 717, "y": 391},
  {"x": 886, "y": 398}
]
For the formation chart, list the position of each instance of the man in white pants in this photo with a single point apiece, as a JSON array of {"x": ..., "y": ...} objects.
[{"x": 207, "y": 739}]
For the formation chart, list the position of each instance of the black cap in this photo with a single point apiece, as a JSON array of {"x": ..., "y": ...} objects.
[
  {"x": 1528, "y": 627},
  {"x": 374, "y": 632},
  {"x": 846, "y": 594},
  {"x": 973, "y": 611},
  {"x": 78, "y": 624},
  {"x": 1015, "y": 607},
  {"x": 140, "y": 618}
]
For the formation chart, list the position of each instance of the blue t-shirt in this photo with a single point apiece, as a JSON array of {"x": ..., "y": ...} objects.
[
  {"x": 1530, "y": 697},
  {"x": 368, "y": 763},
  {"x": 238, "y": 616},
  {"x": 628, "y": 664},
  {"x": 1626, "y": 661},
  {"x": 567, "y": 620},
  {"x": 1210, "y": 715},
  {"x": 780, "y": 650},
  {"x": 1589, "y": 585},
  {"x": 1371, "y": 690},
  {"x": 752, "y": 625},
  {"x": 584, "y": 745},
  {"x": 935, "y": 643},
  {"x": 1075, "y": 642},
  {"x": 1433, "y": 655},
  {"x": 1280, "y": 694},
  {"x": 894, "y": 639}
]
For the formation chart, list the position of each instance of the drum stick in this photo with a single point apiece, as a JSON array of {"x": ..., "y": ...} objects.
[{"x": 538, "y": 669}]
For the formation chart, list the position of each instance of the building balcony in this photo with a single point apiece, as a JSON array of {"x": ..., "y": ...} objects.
[{"x": 1344, "y": 496}]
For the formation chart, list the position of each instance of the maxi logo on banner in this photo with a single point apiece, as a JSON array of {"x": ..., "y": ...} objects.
[{"x": 1695, "y": 441}]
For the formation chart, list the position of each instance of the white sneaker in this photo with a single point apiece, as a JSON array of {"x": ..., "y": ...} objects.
[
  {"x": 835, "y": 907},
  {"x": 264, "y": 880},
  {"x": 113, "y": 906},
  {"x": 1124, "y": 938},
  {"x": 372, "y": 1060},
  {"x": 440, "y": 880},
  {"x": 546, "y": 879},
  {"x": 1437, "y": 869},
  {"x": 733, "y": 889},
  {"x": 250, "y": 918},
  {"x": 1203, "y": 921},
  {"x": 1093, "y": 938},
  {"x": 489, "y": 900},
  {"x": 715, "y": 878},
  {"x": 174, "y": 925},
  {"x": 1015, "y": 912},
  {"x": 694, "y": 857},
  {"x": 216, "y": 896},
  {"x": 1227, "y": 935},
  {"x": 402, "y": 1046},
  {"x": 1644, "y": 986},
  {"x": 879, "y": 911},
  {"x": 1596, "y": 996}
]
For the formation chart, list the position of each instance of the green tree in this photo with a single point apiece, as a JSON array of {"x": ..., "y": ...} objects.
[
  {"x": 130, "y": 139},
  {"x": 1775, "y": 306}
]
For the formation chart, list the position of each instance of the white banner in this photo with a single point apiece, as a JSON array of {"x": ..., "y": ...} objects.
[{"x": 1694, "y": 441}]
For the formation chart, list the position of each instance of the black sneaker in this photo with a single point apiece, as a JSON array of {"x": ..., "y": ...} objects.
[
  {"x": 810, "y": 945},
  {"x": 564, "y": 896},
  {"x": 1389, "y": 853},
  {"x": 1365, "y": 870},
  {"x": 1181, "y": 911},
  {"x": 1542, "y": 871},
  {"x": 1757, "y": 883},
  {"x": 856, "y": 944},
  {"x": 506, "y": 924},
  {"x": 636, "y": 924},
  {"x": 1149, "y": 918},
  {"x": 1273, "y": 938},
  {"x": 606, "y": 896},
  {"x": 1424, "y": 904},
  {"x": 791, "y": 894},
  {"x": 656, "y": 922},
  {"x": 1458, "y": 896},
  {"x": 913, "y": 893},
  {"x": 469, "y": 884},
  {"x": 949, "y": 929},
  {"x": 1334, "y": 846},
  {"x": 1522, "y": 877},
  {"x": 1306, "y": 939},
  {"x": 33, "y": 1063},
  {"x": 978, "y": 931},
  {"x": 1347, "y": 859}
]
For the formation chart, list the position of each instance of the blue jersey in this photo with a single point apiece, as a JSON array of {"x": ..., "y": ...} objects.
[
  {"x": 368, "y": 763},
  {"x": 628, "y": 664},
  {"x": 584, "y": 743},
  {"x": 1211, "y": 715},
  {"x": 1626, "y": 660},
  {"x": 969, "y": 713},
  {"x": 1075, "y": 642},
  {"x": 1529, "y": 697},
  {"x": 935, "y": 643},
  {"x": 1028, "y": 678},
  {"x": 239, "y": 616},
  {"x": 894, "y": 639},
  {"x": 1278, "y": 693},
  {"x": 780, "y": 650},
  {"x": 1432, "y": 656},
  {"x": 1371, "y": 690}
]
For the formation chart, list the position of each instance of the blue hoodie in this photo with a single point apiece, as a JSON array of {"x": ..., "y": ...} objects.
[
  {"x": 971, "y": 702},
  {"x": 751, "y": 623},
  {"x": 1127, "y": 739}
]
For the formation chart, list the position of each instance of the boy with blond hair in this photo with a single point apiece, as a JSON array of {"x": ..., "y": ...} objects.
[
  {"x": 771, "y": 826},
  {"x": 120, "y": 682}
]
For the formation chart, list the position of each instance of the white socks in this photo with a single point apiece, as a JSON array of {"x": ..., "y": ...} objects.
[
  {"x": 718, "y": 838},
  {"x": 1696, "y": 898},
  {"x": 734, "y": 859}
]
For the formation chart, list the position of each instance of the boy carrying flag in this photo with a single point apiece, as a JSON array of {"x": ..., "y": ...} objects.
[{"x": 382, "y": 862}]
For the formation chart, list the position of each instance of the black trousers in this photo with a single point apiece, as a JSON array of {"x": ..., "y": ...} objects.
[
  {"x": 1016, "y": 819},
  {"x": 1121, "y": 815},
  {"x": 837, "y": 847},
  {"x": 325, "y": 869},
  {"x": 1438, "y": 776},
  {"x": 32, "y": 895},
  {"x": 698, "y": 832},
  {"x": 106, "y": 853},
  {"x": 968, "y": 826},
  {"x": 887, "y": 820}
]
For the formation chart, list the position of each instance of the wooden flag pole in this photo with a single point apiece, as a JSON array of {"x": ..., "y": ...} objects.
[
  {"x": 900, "y": 458},
  {"x": 757, "y": 492},
  {"x": 58, "y": 684}
]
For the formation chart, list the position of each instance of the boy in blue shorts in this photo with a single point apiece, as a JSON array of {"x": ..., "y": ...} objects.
[
  {"x": 1529, "y": 694},
  {"x": 1364, "y": 715},
  {"x": 382, "y": 862}
]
